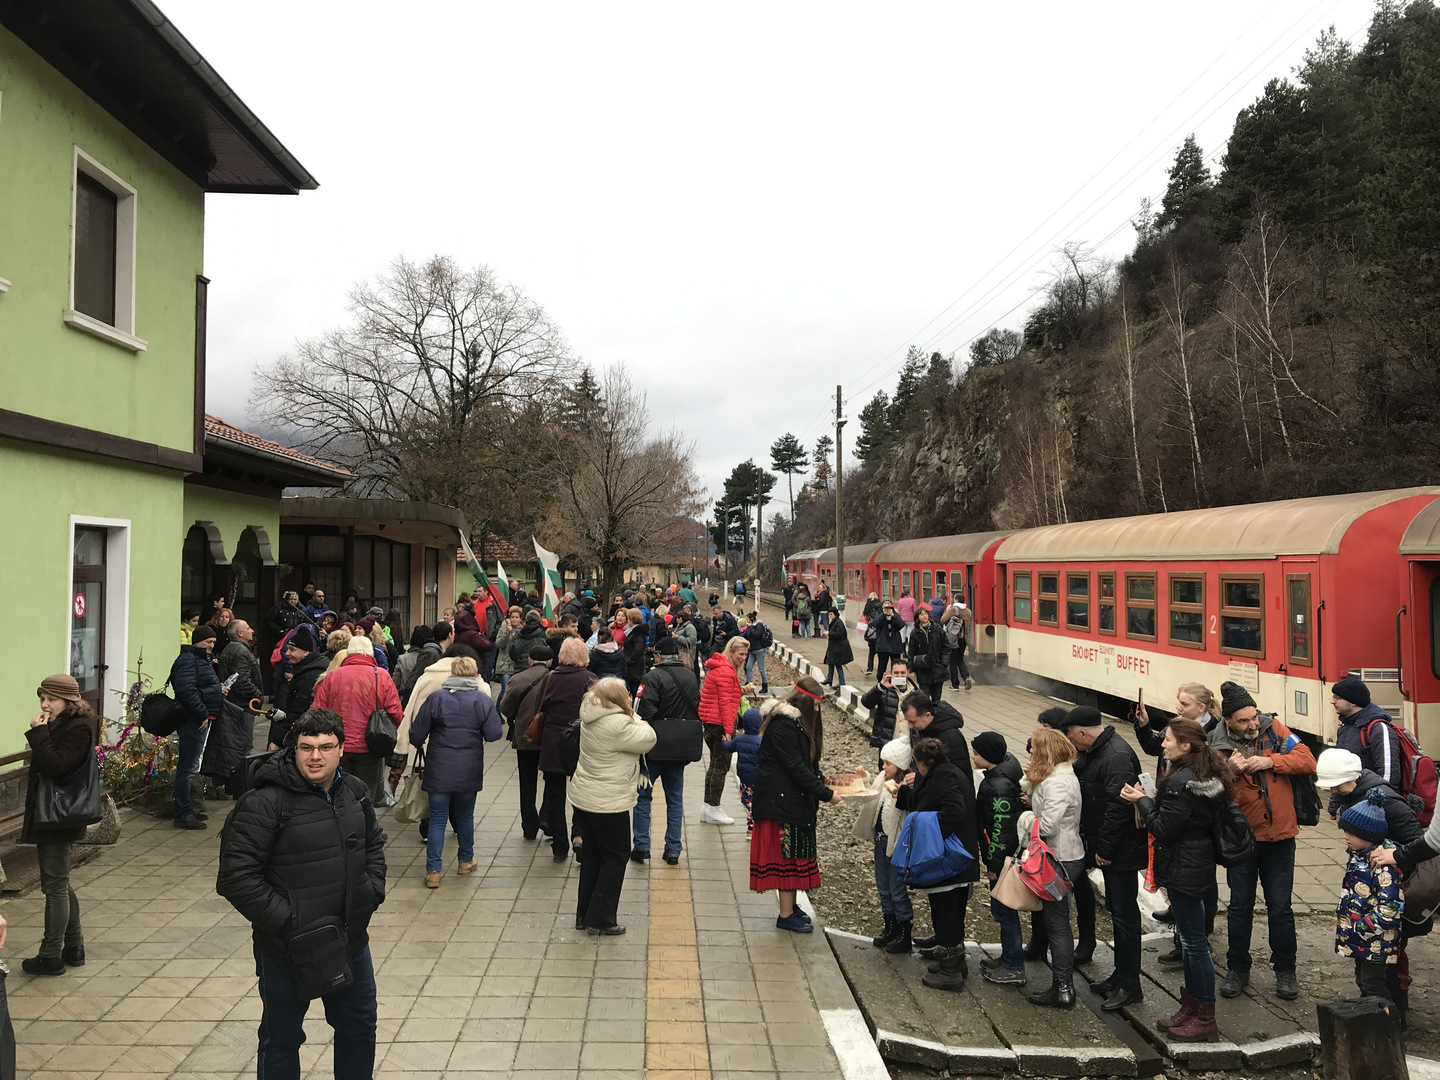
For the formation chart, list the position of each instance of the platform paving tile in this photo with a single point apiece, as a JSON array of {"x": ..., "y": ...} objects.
[{"x": 484, "y": 977}]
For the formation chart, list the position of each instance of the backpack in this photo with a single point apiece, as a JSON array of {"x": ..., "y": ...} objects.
[
  {"x": 1233, "y": 837},
  {"x": 766, "y": 637},
  {"x": 739, "y": 587},
  {"x": 1303, "y": 789},
  {"x": 1039, "y": 869},
  {"x": 955, "y": 629},
  {"x": 1419, "y": 780},
  {"x": 702, "y": 631}
]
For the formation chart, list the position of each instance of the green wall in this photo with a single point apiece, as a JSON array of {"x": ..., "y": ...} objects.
[
  {"x": 40, "y": 490},
  {"x": 232, "y": 514},
  {"x": 49, "y": 369}
]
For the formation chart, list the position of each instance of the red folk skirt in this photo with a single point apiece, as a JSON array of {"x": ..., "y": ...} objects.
[{"x": 782, "y": 857}]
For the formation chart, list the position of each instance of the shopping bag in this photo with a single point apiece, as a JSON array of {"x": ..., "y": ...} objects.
[
  {"x": 924, "y": 856},
  {"x": 412, "y": 803},
  {"x": 1011, "y": 891}
]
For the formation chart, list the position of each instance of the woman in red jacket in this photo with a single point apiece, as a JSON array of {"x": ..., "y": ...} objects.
[{"x": 720, "y": 696}]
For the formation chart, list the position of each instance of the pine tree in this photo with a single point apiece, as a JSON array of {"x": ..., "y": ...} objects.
[
  {"x": 1190, "y": 185},
  {"x": 874, "y": 428},
  {"x": 789, "y": 457},
  {"x": 907, "y": 389},
  {"x": 747, "y": 481},
  {"x": 823, "y": 446}
]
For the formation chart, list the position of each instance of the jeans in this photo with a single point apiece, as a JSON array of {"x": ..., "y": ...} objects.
[
  {"x": 756, "y": 659},
  {"x": 527, "y": 771},
  {"x": 894, "y": 896},
  {"x": 835, "y": 673},
  {"x": 947, "y": 915},
  {"x": 1056, "y": 914},
  {"x": 552, "y": 810},
  {"x": 804, "y": 626},
  {"x": 192, "y": 749},
  {"x": 605, "y": 847},
  {"x": 822, "y": 622},
  {"x": 456, "y": 808},
  {"x": 1274, "y": 866},
  {"x": 1122, "y": 900},
  {"x": 62, "y": 907},
  {"x": 719, "y": 766},
  {"x": 1189, "y": 914},
  {"x": 1084, "y": 896},
  {"x": 504, "y": 679},
  {"x": 351, "y": 1012},
  {"x": 1012, "y": 940},
  {"x": 673, "y": 777},
  {"x": 1370, "y": 978}
]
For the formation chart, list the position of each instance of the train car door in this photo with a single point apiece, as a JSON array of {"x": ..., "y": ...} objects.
[
  {"x": 1418, "y": 645},
  {"x": 970, "y": 585},
  {"x": 1303, "y": 705}
]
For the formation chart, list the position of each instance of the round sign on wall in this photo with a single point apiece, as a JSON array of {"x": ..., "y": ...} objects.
[{"x": 79, "y": 605}]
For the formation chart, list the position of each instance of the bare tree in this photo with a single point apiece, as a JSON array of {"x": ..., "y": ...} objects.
[
  {"x": 1128, "y": 371},
  {"x": 419, "y": 391},
  {"x": 1173, "y": 298},
  {"x": 625, "y": 495}
]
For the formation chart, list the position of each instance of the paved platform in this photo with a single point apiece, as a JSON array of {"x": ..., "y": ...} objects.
[
  {"x": 484, "y": 977},
  {"x": 1011, "y": 710}
]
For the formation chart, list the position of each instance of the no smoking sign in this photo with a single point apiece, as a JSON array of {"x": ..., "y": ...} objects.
[{"x": 78, "y": 605}]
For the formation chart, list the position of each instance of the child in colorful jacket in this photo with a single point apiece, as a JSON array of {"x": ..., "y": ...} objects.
[
  {"x": 1368, "y": 915},
  {"x": 746, "y": 746}
]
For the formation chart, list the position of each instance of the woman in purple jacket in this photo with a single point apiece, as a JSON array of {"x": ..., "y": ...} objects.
[{"x": 455, "y": 723}]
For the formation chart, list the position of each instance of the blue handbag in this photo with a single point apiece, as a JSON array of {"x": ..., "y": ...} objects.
[{"x": 923, "y": 856}]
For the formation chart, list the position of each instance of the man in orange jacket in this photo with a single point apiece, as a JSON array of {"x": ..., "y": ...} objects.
[{"x": 1265, "y": 755}]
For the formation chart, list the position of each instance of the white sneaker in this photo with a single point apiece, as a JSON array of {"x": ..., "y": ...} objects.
[{"x": 713, "y": 815}]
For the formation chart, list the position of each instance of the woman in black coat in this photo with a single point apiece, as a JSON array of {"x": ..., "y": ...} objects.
[
  {"x": 1182, "y": 818},
  {"x": 61, "y": 735},
  {"x": 927, "y": 653},
  {"x": 889, "y": 644},
  {"x": 870, "y": 614},
  {"x": 789, "y": 788},
  {"x": 837, "y": 652},
  {"x": 560, "y": 694},
  {"x": 635, "y": 639},
  {"x": 941, "y": 786}
]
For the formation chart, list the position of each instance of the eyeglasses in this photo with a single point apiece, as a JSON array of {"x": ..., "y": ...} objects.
[{"x": 310, "y": 750}]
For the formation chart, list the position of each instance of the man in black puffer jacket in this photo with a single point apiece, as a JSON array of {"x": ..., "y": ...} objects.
[
  {"x": 302, "y": 850},
  {"x": 883, "y": 701},
  {"x": 669, "y": 691},
  {"x": 1113, "y": 843},
  {"x": 199, "y": 699}
]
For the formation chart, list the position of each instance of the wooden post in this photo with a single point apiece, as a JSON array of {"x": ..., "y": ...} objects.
[{"x": 1361, "y": 1040}]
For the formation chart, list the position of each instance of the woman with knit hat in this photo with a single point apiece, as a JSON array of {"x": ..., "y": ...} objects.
[{"x": 61, "y": 734}]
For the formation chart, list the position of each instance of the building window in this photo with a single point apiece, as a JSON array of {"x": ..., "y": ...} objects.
[
  {"x": 1242, "y": 615},
  {"x": 102, "y": 255},
  {"x": 1187, "y": 610},
  {"x": 1049, "y": 613},
  {"x": 1106, "y": 583},
  {"x": 927, "y": 586},
  {"x": 1022, "y": 596},
  {"x": 1140, "y": 606},
  {"x": 432, "y": 586},
  {"x": 1077, "y": 601},
  {"x": 1297, "y": 589}
]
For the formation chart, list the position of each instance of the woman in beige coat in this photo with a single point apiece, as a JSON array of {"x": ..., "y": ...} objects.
[{"x": 603, "y": 792}]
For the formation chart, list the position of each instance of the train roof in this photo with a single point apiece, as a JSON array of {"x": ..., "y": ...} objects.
[
  {"x": 853, "y": 553},
  {"x": 1423, "y": 535},
  {"x": 813, "y": 553},
  {"x": 1311, "y": 526},
  {"x": 963, "y": 547}
]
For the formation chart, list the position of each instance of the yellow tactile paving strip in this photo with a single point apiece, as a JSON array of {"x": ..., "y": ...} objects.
[{"x": 675, "y": 1043}]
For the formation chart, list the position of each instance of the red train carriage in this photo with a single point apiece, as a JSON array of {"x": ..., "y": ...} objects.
[
  {"x": 964, "y": 564},
  {"x": 1284, "y": 598}
]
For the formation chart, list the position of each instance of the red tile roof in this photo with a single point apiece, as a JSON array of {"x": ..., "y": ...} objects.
[{"x": 219, "y": 428}]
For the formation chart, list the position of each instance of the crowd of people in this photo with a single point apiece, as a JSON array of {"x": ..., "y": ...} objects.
[{"x": 606, "y": 707}]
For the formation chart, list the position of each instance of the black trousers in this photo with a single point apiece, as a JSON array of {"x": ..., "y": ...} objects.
[
  {"x": 1084, "y": 908},
  {"x": 552, "y": 811},
  {"x": 1122, "y": 899},
  {"x": 958, "y": 668},
  {"x": 527, "y": 765},
  {"x": 947, "y": 915},
  {"x": 605, "y": 848}
]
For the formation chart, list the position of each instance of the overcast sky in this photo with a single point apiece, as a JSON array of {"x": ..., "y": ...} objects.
[{"x": 747, "y": 203}]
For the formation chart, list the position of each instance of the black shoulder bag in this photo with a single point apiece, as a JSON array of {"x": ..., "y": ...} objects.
[
  {"x": 678, "y": 740},
  {"x": 71, "y": 801},
  {"x": 320, "y": 954},
  {"x": 380, "y": 733}
]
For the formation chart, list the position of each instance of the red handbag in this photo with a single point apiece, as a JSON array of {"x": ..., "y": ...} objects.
[{"x": 1040, "y": 871}]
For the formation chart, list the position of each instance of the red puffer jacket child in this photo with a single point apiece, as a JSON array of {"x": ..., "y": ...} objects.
[{"x": 720, "y": 694}]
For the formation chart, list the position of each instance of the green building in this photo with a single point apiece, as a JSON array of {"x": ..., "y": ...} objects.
[{"x": 119, "y": 498}]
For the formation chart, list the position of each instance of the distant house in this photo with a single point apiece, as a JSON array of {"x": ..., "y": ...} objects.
[{"x": 122, "y": 499}]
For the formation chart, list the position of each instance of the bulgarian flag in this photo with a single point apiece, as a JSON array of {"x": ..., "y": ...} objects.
[
  {"x": 503, "y": 584},
  {"x": 549, "y": 579},
  {"x": 478, "y": 572}
]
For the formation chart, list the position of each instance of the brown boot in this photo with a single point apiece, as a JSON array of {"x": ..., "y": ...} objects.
[
  {"x": 432, "y": 879},
  {"x": 1187, "y": 1005},
  {"x": 467, "y": 867},
  {"x": 1199, "y": 1026}
]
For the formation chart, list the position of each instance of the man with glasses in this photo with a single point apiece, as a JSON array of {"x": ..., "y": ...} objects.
[{"x": 301, "y": 857}]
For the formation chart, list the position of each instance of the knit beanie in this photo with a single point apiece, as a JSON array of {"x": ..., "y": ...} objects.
[
  {"x": 1336, "y": 766},
  {"x": 1366, "y": 819},
  {"x": 899, "y": 754},
  {"x": 990, "y": 745},
  {"x": 201, "y": 633},
  {"x": 302, "y": 639},
  {"x": 533, "y": 617},
  {"x": 63, "y": 687},
  {"x": 1233, "y": 698},
  {"x": 1353, "y": 691},
  {"x": 667, "y": 647}
]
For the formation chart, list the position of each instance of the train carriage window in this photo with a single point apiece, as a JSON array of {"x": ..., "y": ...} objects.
[
  {"x": 1022, "y": 596},
  {"x": 1187, "y": 610},
  {"x": 885, "y": 583},
  {"x": 940, "y": 585},
  {"x": 927, "y": 586},
  {"x": 1140, "y": 606},
  {"x": 904, "y": 581},
  {"x": 1435, "y": 628},
  {"x": 1105, "y": 586},
  {"x": 1077, "y": 601},
  {"x": 1297, "y": 590},
  {"x": 1049, "y": 613},
  {"x": 1242, "y": 615}
]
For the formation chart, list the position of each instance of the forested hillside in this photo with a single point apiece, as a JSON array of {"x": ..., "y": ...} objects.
[{"x": 1274, "y": 333}]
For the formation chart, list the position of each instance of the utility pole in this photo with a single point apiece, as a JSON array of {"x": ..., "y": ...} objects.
[
  {"x": 759, "y": 528},
  {"x": 839, "y": 581}
]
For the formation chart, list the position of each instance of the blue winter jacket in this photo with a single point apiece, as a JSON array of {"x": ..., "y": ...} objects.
[
  {"x": 1380, "y": 752},
  {"x": 455, "y": 723},
  {"x": 746, "y": 746},
  {"x": 197, "y": 687}
]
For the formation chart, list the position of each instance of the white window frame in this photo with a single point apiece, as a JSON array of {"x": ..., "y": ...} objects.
[
  {"x": 117, "y": 597},
  {"x": 123, "y": 332}
]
